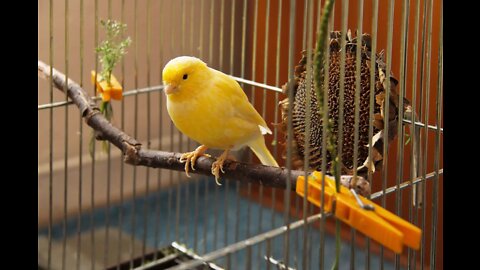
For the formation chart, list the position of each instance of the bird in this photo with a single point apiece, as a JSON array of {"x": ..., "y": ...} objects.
[{"x": 211, "y": 108}]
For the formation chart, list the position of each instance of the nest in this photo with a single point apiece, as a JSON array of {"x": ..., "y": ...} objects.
[{"x": 299, "y": 108}]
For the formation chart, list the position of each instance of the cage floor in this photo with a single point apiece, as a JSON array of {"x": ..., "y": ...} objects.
[{"x": 159, "y": 219}]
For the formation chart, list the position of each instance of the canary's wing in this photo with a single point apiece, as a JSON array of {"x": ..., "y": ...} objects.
[{"x": 243, "y": 109}]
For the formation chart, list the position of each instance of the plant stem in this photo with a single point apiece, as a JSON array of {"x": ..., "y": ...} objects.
[{"x": 319, "y": 78}]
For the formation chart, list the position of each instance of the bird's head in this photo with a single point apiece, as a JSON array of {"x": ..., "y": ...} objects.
[{"x": 184, "y": 75}]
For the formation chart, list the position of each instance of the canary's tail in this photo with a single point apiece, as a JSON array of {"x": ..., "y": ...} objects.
[{"x": 261, "y": 151}]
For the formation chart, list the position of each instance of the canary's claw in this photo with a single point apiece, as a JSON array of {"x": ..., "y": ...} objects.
[
  {"x": 217, "y": 166},
  {"x": 191, "y": 157}
]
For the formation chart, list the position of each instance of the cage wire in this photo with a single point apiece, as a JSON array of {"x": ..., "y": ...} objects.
[{"x": 95, "y": 212}]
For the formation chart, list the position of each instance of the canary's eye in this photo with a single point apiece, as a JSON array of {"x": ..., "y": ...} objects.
[{"x": 185, "y": 76}]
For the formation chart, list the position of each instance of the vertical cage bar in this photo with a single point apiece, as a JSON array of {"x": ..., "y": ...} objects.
[
  {"x": 210, "y": 60},
  {"x": 264, "y": 106},
  {"x": 147, "y": 171},
  {"x": 80, "y": 147},
  {"x": 168, "y": 231},
  {"x": 268, "y": 253},
  {"x": 427, "y": 73},
  {"x": 107, "y": 208},
  {"x": 50, "y": 154},
  {"x": 160, "y": 136},
  {"x": 227, "y": 199},
  {"x": 413, "y": 129},
  {"x": 341, "y": 106},
  {"x": 388, "y": 57},
  {"x": 189, "y": 141},
  {"x": 179, "y": 185},
  {"x": 135, "y": 131},
  {"x": 306, "y": 154},
  {"x": 252, "y": 100},
  {"x": 65, "y": 164},
  {"x": 400, "y": 127},
  {"x": 291, "y": 52},
  {"x": 373, "y": 71},
  {"x": 122, "y": 175},
  {"x": 92, "y": 191},
  {"x": 308, "y": 115},
  {"x": 358, "y": 59},
  {"x": 277, "y": 83},
  {"x": 195, "y": 217},
  {"x": 433, "y": 247},
  {"x": 242, "y": 74}
]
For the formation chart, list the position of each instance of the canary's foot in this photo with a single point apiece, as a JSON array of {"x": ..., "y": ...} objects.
[
  {"x": 217, "y": 166},
  {"x": 190, "y": 157}
]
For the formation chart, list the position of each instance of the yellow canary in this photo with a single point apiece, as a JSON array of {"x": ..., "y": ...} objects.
[{"x": 211, "y": 108}]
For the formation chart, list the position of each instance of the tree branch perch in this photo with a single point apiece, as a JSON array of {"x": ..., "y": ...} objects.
[{"x": 134, "y": 154}]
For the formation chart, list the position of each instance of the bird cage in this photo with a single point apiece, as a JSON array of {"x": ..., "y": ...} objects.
[{"x": 113, "y": 194}]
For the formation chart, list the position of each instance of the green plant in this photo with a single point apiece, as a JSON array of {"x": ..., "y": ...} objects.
[{"x": 112, "y": 49}]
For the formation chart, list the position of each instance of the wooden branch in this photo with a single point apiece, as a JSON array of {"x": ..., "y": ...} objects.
[{"x": 134, "y": 154}]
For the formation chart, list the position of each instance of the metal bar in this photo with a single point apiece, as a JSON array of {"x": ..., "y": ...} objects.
[
  {"x": 433, "y": 247},
  {"x": 388, "y": 57},
  {"x": 65, "y": 187},
  {"x": 197, "y": 187},
  {"x": 425, "y": 77},
  {"x": 180, "y": 135},
  {"x": 306, "y": 150},
  {"x": 242, "y": 75},
  {"x": 420, "y": 124},
  {"x": 222, "y": 27},
  {"x": 80, "y": 147},
  {"x": 247, "y": 243},
  {"x": 308, "y": 118},
  {"x": 426, "y": 114},
  {"x": 358, "y": 76},
  {"x": 50, "y": 154},
  {"x": 414, "y": 161},
  {"x": 268, "y": 252},
  {"x": 248, "y": 264},
  {"x": 92, "y": 191},
  {"x": 277, "y": 82},
  {"x": 227, "y": 199},
  {"x": 400, "y": 127},
  {"x": 291, "y": 53},
  {"x": 122, "y": 172},
  {"x": 412, "y": 182},
  {"x": 135, "y": 131},
  {"x": 171, "y": 135},
  {"x": 107, "y": 209},
  {"x": 147, "y": 171},
  {"x": 160, "y": 87},
  {"x": 160, "y": 145},
  {"x": 264, "y": 112}
]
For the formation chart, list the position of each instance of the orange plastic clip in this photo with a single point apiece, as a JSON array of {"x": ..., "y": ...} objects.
[
  {"x": 112, "y": 90},
  {"x": 362, "y": 214}
]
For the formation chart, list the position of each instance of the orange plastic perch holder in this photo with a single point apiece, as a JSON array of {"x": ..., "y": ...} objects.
[
  {"x": 378, "y": 223},
  {"x": 112, "y": 90}
]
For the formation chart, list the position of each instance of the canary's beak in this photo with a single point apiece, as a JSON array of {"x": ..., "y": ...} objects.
[{"x": 170, "y": 89}]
